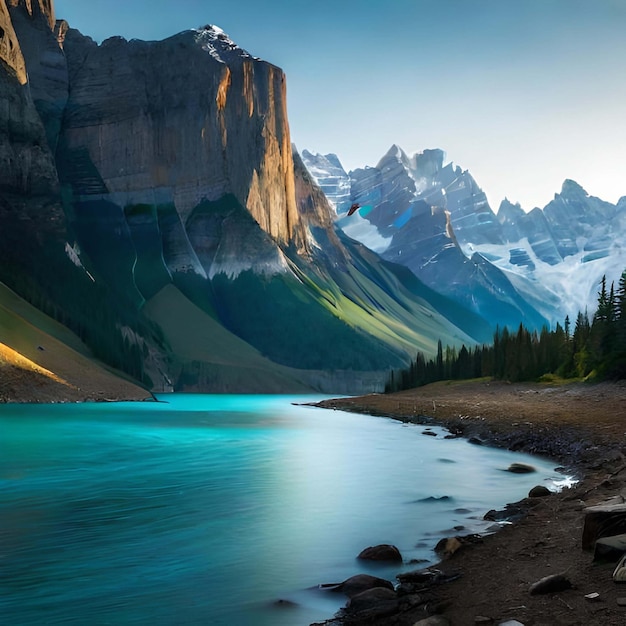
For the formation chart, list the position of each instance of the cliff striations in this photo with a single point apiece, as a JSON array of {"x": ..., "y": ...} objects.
[{"x": 151, "y": 200}]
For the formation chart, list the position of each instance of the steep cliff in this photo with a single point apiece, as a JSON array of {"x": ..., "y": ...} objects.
[
  {"x": 179, "y": 121},
  {"x": 192, "y": 247}
]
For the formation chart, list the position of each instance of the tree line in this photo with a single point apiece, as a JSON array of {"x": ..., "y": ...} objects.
[{"x": 594, "y": 348}]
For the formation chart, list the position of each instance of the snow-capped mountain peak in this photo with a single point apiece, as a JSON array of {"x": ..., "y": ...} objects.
[
  {"x": 218, "y": 44},
  {"x": 435, "y": 219}
]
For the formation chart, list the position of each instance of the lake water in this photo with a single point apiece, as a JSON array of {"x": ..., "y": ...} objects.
[{"x": 208, "y": 509}]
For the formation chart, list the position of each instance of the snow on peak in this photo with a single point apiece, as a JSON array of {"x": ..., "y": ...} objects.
[{"x": 218, "y": 44}]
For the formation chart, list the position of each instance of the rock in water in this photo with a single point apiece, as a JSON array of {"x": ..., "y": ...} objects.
[
  {"x": 382, "y": 552},
  {"x": 448, "y": 546},
  {"x": 359, "y": 583},
  {"x": 521, "y": 468},
  {"x": 539, "y": 491},
  {"x": 550, "y": 584}
]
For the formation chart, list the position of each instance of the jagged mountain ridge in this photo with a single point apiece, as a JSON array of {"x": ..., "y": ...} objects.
[
  {"x": 436, "y": 220},
  {"x": 205, "y": 256}
]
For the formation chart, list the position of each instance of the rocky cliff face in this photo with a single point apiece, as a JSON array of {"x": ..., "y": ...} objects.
[
  {"x": 191, "y": 246},
  {"x": 26, "y": 162},
  {"x": 180, "y": 121}
]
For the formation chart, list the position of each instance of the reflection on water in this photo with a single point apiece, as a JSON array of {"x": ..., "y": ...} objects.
[{"x": 209, "y": 509}]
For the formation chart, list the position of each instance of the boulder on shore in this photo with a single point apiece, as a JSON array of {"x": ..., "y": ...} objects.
[
  {"x": 539, "y": 491},
  {"x": 601, "y": 521},
  {"x": 357, "y": 584},
  {"x": 610, "y": 549},
  {"x": 373, "y": 603}
]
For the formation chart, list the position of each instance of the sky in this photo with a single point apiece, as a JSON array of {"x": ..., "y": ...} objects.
[{"x": 522, "y": 93}]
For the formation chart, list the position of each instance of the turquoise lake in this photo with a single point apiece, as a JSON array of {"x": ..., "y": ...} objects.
[{"x": 209, "y": 509}]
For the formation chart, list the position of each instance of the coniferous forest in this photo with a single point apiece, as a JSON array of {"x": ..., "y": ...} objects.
[{"x": 588, "y": 349}]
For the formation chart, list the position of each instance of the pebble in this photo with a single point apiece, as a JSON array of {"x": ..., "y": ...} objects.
[
  {"x": 551, "y": 584},
  {"x": 621, "y": 602}
]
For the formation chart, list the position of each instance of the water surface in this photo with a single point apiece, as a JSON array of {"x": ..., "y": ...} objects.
[{"x": 209, "y": 509}]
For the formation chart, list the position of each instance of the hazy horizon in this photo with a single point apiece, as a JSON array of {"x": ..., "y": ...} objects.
[{"x": 523, "y": 95}]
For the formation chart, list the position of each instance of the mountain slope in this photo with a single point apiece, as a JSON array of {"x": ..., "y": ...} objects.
[
  {"x": 41, "y": 361},
  {"x": 177, "y": 232},
  {"x": 512, "y": 267},
  {"x": 424, "y": 214}
]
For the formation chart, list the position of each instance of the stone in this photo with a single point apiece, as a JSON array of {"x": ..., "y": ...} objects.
[
  {"x": 381, "y": 552},
  {"x": 610, "y": 549},
  {"x": 510, "y": 622},
  {"x": 593, "y": 597},
  {"x": 602, "y": 520},
  {"x": 520, "y": 468},
  {"x": 377, "y": 601},
  {"x": 357, "y": 584},
  {"x": 476, "y": 441},
  {"x": 10, "y": 50},
  {"x": 539, "y": 491},
  {"x": 448, "y": 546},
  {"x": 550, "y": 584},
  {"x": 621, "y": 601},
  {"x": 619, "y": 574},
  {"x": 482, "y": 619},
  {"x": 427, "y": 577}
]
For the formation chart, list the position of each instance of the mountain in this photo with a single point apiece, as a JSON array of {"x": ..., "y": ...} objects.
[
  {"x": 151, "y": 201},
  {"x": 427, "y": 214},
  {"x": 42, "y": 361},
  {"x": 512, "y": 267}
]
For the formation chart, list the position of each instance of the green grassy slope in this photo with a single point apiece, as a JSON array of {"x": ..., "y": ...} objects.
[
  {"x": 44, "y": 342},
  {"x": 210, "y": 356}
]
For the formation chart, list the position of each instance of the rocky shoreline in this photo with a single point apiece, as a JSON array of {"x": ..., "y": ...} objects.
[{"x": 487, "y": 580}]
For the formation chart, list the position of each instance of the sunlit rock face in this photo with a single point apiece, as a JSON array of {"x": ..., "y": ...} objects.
[
  {"x": 40, "y": 41},
  {"x": 186, "y": 119},
  {"x": 28, "y": 174}
]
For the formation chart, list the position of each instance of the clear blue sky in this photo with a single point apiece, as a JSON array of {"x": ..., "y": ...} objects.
[{"x": 523, "y": 93}]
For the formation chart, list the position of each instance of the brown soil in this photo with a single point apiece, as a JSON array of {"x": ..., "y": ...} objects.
[
  {"x": 582, "y": 427},
  {"x": 80, "y": 381}
]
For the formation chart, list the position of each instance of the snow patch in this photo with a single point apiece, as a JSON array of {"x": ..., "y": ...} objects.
[
  {"x": 73, "y": 253},
  {"x": 264, "y": 267},
  {"x": 213, "y": 40}
]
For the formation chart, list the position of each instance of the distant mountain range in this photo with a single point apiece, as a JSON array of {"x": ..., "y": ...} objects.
[
  {"x": 432, "y": 217},
  {"x": 150, "y": 201}
]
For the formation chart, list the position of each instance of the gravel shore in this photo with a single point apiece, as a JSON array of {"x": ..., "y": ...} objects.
[{"x": 583, "y": 428}]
